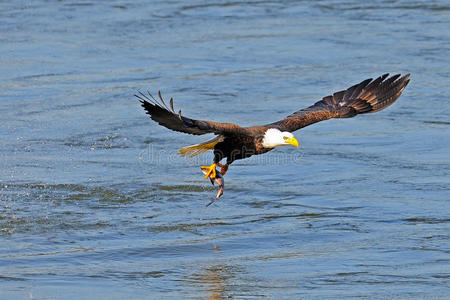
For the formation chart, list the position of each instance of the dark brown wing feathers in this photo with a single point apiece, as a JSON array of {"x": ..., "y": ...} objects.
[
  {"x": 365, "y": 97},
  {"x": 168, "y": 118}
]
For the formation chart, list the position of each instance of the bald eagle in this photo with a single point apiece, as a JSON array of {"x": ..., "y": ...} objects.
[{"x": 234, "y": 142}]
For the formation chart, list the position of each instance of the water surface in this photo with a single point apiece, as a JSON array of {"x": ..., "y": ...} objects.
[{"x": 95, "y": 203}]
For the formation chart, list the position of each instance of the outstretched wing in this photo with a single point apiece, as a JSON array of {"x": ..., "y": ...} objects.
[
  {"x": 167, "y": 117},
  {"x": 365, "y": 97}
]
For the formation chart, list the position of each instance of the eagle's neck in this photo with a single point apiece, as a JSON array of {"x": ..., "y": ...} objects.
[{"x": 272, "y": 138}]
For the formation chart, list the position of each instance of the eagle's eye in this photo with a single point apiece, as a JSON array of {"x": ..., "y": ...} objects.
[{"x": 285, "y": 138}]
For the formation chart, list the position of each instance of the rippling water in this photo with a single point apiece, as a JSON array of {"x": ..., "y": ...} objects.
[{"x": 95, "y": 203}]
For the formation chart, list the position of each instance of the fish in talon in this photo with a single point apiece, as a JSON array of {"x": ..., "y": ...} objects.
[
  {"x": 219, "y": 193},
  {"x": 217, "y": 179}
]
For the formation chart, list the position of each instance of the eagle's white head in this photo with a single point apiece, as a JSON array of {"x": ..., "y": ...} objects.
[{"x": 274, "y": 137}]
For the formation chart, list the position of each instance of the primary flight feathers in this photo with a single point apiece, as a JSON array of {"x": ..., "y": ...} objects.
[
  {"x": 365, "y": 97},
  {"x": 166, "y": 117}
]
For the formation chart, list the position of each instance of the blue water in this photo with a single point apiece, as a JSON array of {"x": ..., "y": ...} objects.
[{"x": 96, "y": 204}]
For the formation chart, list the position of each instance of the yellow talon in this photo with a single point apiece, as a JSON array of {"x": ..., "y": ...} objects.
[{"x": 211, "y": 170}]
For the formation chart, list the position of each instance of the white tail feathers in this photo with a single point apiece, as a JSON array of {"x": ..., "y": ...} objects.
[{"x": 198, "y": 149}]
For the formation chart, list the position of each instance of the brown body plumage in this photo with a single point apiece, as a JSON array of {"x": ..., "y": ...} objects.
[{"x": 234, "y": 142}]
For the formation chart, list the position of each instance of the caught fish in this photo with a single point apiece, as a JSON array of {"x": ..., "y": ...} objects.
[{"x": 220, "y": 182}]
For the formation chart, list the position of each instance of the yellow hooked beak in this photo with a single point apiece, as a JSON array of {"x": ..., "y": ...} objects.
[{"x": 292, "y": 141}]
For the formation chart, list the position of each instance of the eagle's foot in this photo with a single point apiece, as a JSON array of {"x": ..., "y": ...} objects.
[
  {"x": 209, "y": 171},
  {"x": 223, "y": 168}
]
